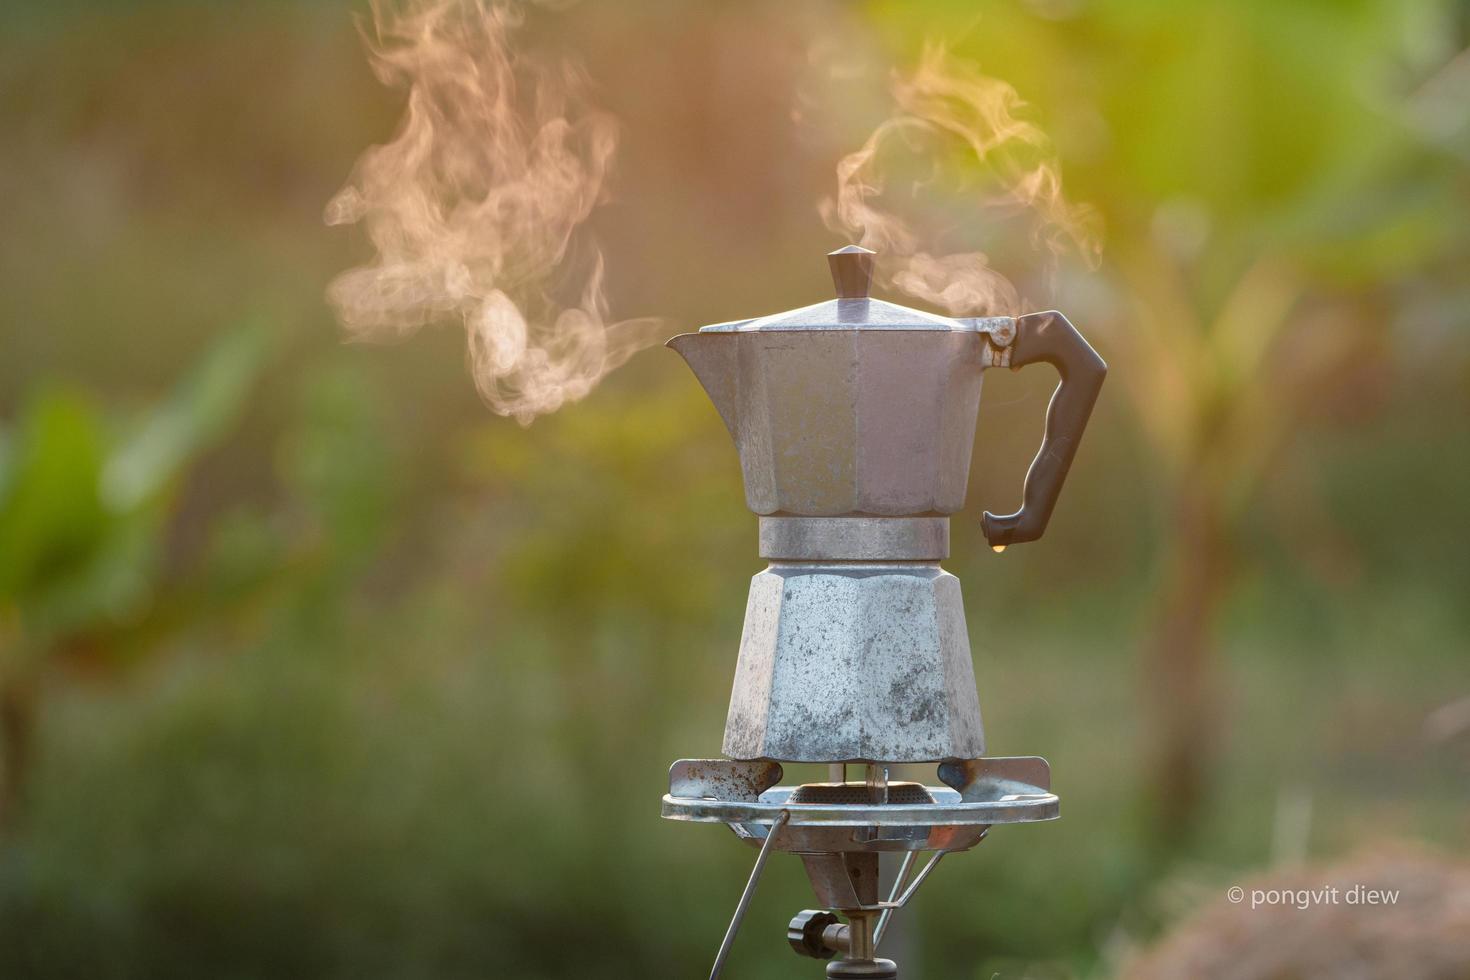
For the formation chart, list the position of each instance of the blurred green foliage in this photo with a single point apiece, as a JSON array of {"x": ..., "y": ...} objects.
[
  {"x": 83, "y": 511},
  {"x": 82, "y": 508},
  {"x": 407, "y": 676}
]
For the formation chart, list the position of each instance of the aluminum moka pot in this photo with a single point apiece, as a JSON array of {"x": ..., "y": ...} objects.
[{"x": 854, "y": 420}]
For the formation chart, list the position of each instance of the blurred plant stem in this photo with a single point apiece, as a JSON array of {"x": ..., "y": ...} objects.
[
  {"x": 1180, "y": 660},
  {"x": 17, "y": 734},
  {"x": 17, "y": 717},
  {"x": 1220, "y": 397}
]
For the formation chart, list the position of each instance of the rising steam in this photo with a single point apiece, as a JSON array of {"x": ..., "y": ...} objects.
[
  {"x": 474, "y": 207},
  {"x": 951, "y": 102}
]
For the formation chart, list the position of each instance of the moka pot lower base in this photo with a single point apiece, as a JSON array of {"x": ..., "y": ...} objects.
[{"x": 854, "y": 647}]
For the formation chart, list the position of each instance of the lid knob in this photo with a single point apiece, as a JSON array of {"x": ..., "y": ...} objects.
[{"x": 852, "y": 271}]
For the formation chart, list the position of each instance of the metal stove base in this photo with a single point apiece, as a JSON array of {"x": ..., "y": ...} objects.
[{"x": 839, "y": 842}]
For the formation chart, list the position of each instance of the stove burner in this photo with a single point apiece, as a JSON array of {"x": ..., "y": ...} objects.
[{"x": 858, "y": 794}]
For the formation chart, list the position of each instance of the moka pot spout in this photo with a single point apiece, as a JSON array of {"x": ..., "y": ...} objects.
[{"x": 714, "y": 359}]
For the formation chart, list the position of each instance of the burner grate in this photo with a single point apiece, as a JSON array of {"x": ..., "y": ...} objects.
[{"x": 859, "y": 794}]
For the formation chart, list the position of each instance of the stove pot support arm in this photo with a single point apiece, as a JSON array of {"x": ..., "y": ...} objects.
[{"x": 1051, "y": 338}]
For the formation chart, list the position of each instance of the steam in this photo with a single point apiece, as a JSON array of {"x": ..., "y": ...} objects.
[
  {"x": 474, "y": 208},
  {"x": 950, "y": 101}
]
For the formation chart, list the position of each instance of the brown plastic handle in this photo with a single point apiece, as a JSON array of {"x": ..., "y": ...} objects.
[{"x": 1050, "y": 337}]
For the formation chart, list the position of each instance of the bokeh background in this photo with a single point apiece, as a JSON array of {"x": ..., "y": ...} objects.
[{"x": 311, "y": 666}]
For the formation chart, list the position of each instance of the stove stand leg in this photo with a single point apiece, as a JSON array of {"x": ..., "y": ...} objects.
[
  {"x": 748, "y": 894},
  {"x": 898, "y": 883}
]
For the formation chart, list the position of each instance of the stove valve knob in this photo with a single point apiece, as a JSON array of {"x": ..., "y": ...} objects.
[{"x": 805, "y": 933}]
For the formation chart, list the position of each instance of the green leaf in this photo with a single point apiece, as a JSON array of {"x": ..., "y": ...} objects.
[
  {"x": 203, "y": 405},
  {"x": 50, "y": 516},
  {"x": 114, "y": 583}
]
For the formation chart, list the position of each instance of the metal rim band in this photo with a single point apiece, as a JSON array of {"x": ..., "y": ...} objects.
[
  {"x": 950, "y": 810},
  {"x": 854, "y": 538}
]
